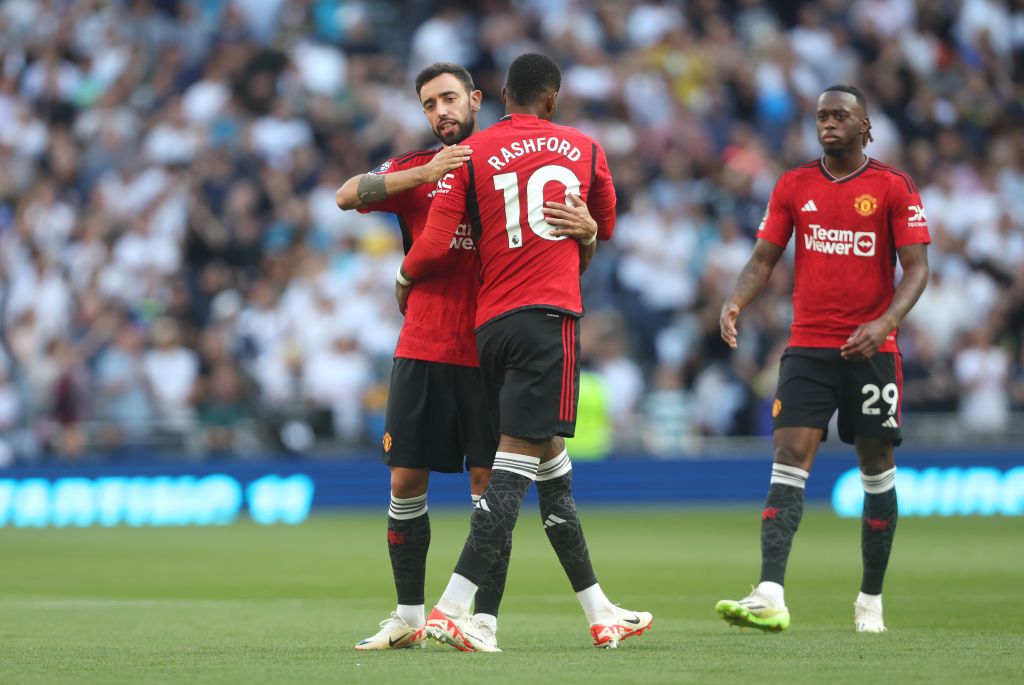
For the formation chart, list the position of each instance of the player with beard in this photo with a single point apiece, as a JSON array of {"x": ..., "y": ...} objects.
[
  {"x": 528, "y": 309},
  {"x": 435, "y": 418},
  {"x": 853, "y": 216}
]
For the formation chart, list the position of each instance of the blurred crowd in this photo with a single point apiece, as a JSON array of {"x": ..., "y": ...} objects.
[{"x": 174, "y": 273}]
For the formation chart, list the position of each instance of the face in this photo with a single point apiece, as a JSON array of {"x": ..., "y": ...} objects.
[
  {"x": 450, "y": 110},
  {"x": 840, "y": 121}
]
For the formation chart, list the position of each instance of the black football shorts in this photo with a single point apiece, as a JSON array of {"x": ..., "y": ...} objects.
[
  {"x": 815, "y": 382},
  {"x": 436, "y": 418},
  {"x": 529, "y": 361}
]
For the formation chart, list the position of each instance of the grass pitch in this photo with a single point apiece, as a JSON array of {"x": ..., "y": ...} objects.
[{"x": 286, "y": 604}]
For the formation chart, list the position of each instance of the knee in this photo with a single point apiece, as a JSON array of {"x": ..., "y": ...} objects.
[
  {"x": 478, "y": 480},
  {"x": 874, "y": 463},
  {"x": 875, "y": 456},
  {"x": 790, "y": 455},
  {"x": 406, "y": 484}
]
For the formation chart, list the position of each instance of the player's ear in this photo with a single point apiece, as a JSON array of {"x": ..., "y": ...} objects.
[
  {"x": 504, "y": 96},
  {"x": 551, "y": 103},
  {"x": 865, "y": 124},
  {"x": 475, "y": 98}
]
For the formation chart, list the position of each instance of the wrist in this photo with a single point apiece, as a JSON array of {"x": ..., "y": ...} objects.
[
  {"x": 591, "y": 241},
  {"x": 402, "y": 278}
]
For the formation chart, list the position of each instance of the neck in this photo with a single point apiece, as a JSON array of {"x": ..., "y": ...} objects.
[
  {"x": 532, "y": 110},
  {"x": 844, "y": 163}
]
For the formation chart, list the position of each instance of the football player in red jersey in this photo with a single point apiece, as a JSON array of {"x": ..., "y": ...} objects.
[
  {"x": 435, "y": 418},
  {"x": 527, "y": 311},
  {"x": 852, "y": 216}
]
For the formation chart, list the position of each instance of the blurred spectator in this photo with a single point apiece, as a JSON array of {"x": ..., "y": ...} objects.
[
  {"x": 123, "y": 404},
  {"x": 170, "y": 370},
  {"x": 983, "y": 372}
]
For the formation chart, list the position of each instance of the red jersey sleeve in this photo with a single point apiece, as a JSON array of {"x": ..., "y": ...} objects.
[
  {"x": 394, "y": 204},
  {"x": 906, "y": 214},
  {"x": 446, "y": 212},
  {"x": 777, "y": 225},
  {"x": 601, "y": 199}
]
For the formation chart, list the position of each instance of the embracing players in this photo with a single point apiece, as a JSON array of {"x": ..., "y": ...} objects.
[
  {"x": 528, "y": 308},
  {"x": 853, "y": 216},
  {"x": 436, "y": 418}
]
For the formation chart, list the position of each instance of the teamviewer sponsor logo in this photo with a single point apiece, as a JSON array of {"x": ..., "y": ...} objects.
[
  {"x": 463, "y": 239},
  {"x": 839, "y": 241},
  {"x": 864, "y": 244}
]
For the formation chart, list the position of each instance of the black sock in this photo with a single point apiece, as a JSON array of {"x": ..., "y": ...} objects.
[
  {"x": 495, "y": 515},
  {"x": 492, "y": 585},
  {"x": 878, "y": 527},
  {"x": 408, "y": 541},
  {"x": 562, "y": 523},
  {"x": 780, "y": 519}
]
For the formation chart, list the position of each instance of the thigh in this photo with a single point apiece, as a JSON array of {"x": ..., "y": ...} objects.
[
  {"x": 421, "y": 429},
  {"x": 870, "y": 400},
  {"x": 808, "y": 390}
]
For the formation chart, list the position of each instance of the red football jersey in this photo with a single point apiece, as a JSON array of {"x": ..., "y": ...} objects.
[
  {"x": 848, "y": 231},
  {"x": 438, "y": 324},
  {"x": 517, "y": 165}
]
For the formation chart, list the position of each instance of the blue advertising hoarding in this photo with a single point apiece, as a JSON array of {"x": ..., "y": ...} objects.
[{"x": 177, "y": 494}]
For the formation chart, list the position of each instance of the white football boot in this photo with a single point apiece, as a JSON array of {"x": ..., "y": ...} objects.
[
  {"x": 625, "y": 624},
  {"x": 465, "y": 634},
  {"x": 395, "y": 633}
]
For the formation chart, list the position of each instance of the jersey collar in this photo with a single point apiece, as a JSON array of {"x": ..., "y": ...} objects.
[{"x": 849, "y": 177}]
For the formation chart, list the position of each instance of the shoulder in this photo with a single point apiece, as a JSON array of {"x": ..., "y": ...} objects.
[
  {"x": 409, "y": 159},
  {"x": 796, "y": 175},
  {"x": 896, "y": 178},
  {"x": 578, "y": 136}
]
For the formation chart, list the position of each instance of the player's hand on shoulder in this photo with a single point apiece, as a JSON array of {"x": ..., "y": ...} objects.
[
  {"x": 727, "y": 323},
  {"x": 447, "y": 159},
  {"x": 865, "y": 340},
  {"x": 573, "y": 219}
]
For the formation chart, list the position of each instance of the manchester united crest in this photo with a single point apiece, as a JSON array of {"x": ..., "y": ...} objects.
[
  {"x": 386, "y": 442},
  {"x": 776, "y": 407},
  {"x": 865, "y": 204}
]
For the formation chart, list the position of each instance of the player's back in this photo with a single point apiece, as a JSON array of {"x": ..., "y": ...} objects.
[{"x": 517, "y": 165}]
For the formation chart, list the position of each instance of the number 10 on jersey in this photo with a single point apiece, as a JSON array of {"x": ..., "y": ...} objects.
[{"x": 509, "y": 185}]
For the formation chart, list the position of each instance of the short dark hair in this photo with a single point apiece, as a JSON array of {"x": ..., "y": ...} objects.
[
  {"x": 852, "y": 90},
  {"x": 530, "y": 76},
  {"x": 866, "y": 137},
  {"x": 438, "y": 68}
]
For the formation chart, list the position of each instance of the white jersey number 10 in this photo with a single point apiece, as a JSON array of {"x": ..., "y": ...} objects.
[{"x": 509, "y": 185}]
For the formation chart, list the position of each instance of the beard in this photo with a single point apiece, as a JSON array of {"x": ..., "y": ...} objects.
[{"x": 455, "y": 134}]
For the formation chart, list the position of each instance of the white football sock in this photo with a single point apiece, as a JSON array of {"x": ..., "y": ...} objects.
[
  {"x": 597, "y": 607},
  {"x": 489, "y": 620},
  {"x": 412, "y": 614},
  {"x": 874, "y": 601},
  {"x": 457, "y": 597},
  {"x": 772, "y": 591}
]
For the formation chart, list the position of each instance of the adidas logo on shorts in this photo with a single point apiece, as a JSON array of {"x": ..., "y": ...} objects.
[{"x": 890, "y": 423}]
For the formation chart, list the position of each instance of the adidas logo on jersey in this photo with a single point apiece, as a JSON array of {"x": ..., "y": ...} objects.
[
  {"x": 890, "y": 423},
  {"x": 552, "y": 521},
  {"x": 809, "y": 207}
]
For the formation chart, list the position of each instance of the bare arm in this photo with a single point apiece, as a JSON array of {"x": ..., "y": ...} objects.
[
  {"x": 868, "y": 337},
  {"x": 752, "y": 280},
  {"x": 366, "y": 189}
]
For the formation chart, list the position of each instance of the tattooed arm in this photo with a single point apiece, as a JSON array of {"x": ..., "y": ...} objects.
[{"x": 366, "y": 189}]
